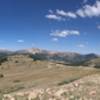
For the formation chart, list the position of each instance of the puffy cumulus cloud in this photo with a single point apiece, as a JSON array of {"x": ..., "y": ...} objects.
[
  {"x": 54, "y": 17},
  {"x": 80, "y": 12},
  {"x": 89, "y": 11},
  {"x": 64, "y": 33},
  {"x": 60, "y": 15},
  {"x": 61, "y": 12},
  {"x": 86, "y": 11},
  {"x": 20, "y": 41},
  {"x": 66, "y": 14}
]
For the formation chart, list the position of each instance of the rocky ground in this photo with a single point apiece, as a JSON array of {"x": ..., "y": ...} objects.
[{"x": 87, "y": 88}]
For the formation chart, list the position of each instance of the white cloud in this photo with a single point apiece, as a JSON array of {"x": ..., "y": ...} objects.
[
  {"x": 80, "y": 13},
  {"x": 66, "y": 14},
  {"x": 20, "y": 41},
  {"x": 54, "y": 17},
  {"x": 98, "y": 26},
  {"x": 60, "y": 15},
  {"x": 64, "y": 33},
  {"x": 81, "y": 45},
  {"x": 61, "y": 12},
  {"x": 89, "y": 11},
  {"x": 86, "y": 11},
  {"x": 71, "y": 15}
]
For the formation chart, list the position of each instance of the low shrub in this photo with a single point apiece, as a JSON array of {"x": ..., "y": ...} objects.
[
  {"x": 16, "y": 81},
  {"x": 16, "y": 61},
  {"x": 1, "y": 75},
  {"x": 66, "y": 81}
]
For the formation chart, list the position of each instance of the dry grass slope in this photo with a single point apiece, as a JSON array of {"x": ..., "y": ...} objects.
[
  {"x": 21, "y": 73},
  {"x": 86, "y": 88}
]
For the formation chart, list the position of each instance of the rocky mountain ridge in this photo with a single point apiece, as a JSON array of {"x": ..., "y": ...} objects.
[{"x": 71, "y": 58}]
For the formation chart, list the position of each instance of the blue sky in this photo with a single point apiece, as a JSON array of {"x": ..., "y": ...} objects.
[{"x": 62, "y": 25}]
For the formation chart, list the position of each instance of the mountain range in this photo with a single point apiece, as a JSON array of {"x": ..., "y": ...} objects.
[{"x": 70, "y": 58}]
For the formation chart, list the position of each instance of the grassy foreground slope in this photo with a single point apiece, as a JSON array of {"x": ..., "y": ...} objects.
[
  {"x": 21, "y": 73},
  {"x": 86, "y": 88}
]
